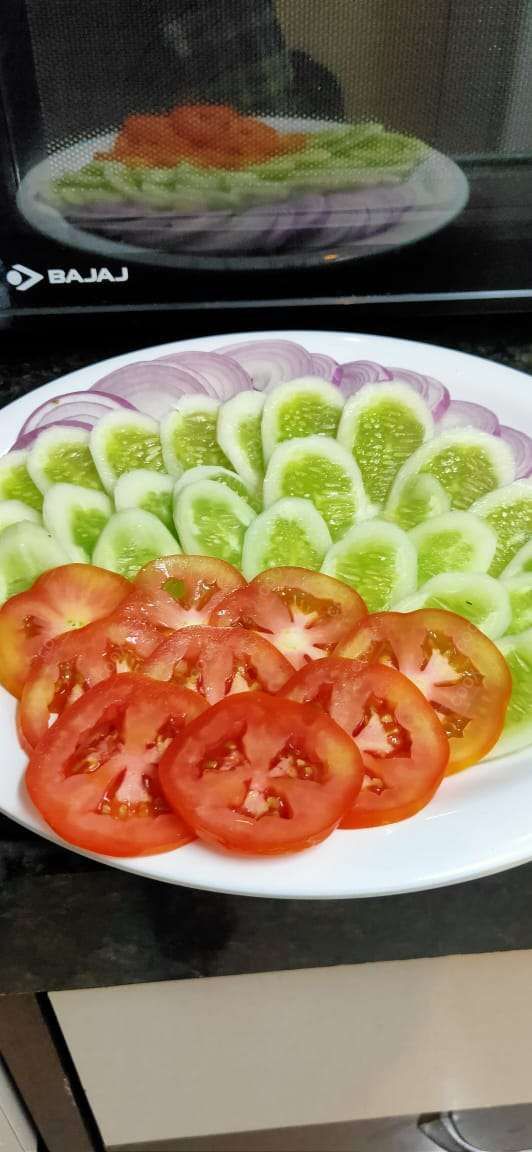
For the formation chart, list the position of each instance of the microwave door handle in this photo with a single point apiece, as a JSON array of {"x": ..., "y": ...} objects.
[{"x": 444, "y": 1133}]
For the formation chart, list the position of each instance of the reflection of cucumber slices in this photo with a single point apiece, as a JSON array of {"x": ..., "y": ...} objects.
[
  {"x": 377, "y": 559},
  {"x": 76, "y": 518},
  {"x": 467, "y": 463},
  {"x": 517, "y": 732},
  {"x": 509, "y": 513},
  {"x": 188, "y": 434},
  {"x": 14, "y": 511},
  {"x": 381, "y": 426},
  {"x": 211, "y": 520},
  {"x": 240, "y": 436},
  {"x": 130, "y": 540},
  {"x": 221, "y": 476},
  {"x": 416, "y": 500},
  {"x": 123, "y": 441},
  {"x": 521, "y": 562},
  {"x": 152, "y": 491},
  {"x": 317, "y": 468},
  {"x": 62, "y": 456},
  {"x": 290, "y": 533},
  {"x": 16, "y": 482},
  {"x": 520, "y": 593},
  {"x": 454, "y": 542},
  {"x": 26, "y": 550},
  {"x": 477, "y": 597},
  {"x": 305, "y": 407}
]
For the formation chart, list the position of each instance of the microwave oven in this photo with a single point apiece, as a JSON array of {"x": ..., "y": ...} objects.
[{"x": 214, "y": 154}]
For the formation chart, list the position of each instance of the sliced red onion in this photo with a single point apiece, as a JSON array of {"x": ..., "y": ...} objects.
[
  {"x": 323, "y": 366},
  {"x": 435, "y": 394},
  {"x": 223, "y": 376},
  {"x": 26, "y": 439},
  {"x": 464, "y": 414},
  {"x": 352, "y": 375},
  {"x": 521, "y": 446},
  {"x": 153, "y": 388},
  {"x": 70, "y": 406},
  {"x": 270, "y": 362}
]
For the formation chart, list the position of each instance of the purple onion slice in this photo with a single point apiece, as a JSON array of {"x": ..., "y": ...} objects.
[
  {"x": 353, "y": 374},
  {"x": 521, "y": 446},
  {"x": 153, "y": 388},
  {"x": 27, "y": 439},
  {"x": 435, "y": 394},
  {"x": 464, "y": 414},
  {"x": 223, "y": 376},
  {"x": 270, "y": 362}
]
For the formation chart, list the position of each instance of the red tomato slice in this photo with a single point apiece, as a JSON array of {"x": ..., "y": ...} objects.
[
  {"x": 218, "y": 663},
  {"x": 94, "y": 777},
  {"x": 62, "y": 599},
  {"x": 403, "y": 746},
  {"x": 181, "y": 591},
  {"x": 260, "y": 775},
  {"x": 303, "y": 613},
  {"x": 74, "y": 662},
  {"x": 459, "y": 671}
]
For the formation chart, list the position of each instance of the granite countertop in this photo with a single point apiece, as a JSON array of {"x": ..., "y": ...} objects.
[{"x": 67, "y": 922}]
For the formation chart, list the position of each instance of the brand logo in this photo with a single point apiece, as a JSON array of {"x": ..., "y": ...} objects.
[{"x": 22, "y": 278}]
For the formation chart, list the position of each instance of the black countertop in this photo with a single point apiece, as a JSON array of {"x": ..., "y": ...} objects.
[{"x": 67, "y": 922}]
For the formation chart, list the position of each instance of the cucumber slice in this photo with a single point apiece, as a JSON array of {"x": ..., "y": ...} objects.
[
  {"x": 152, "y": 491},
  {"x": 26, "y": 551},
  {"x": 509, "y": 513},
  {"x": 16, "y": 482},
  {"x": 222, "y": 476},
  {"x": 474, "y": 595},
  {"x": 517, "y": 732},
  {"x": 188, "y": 435},
  {"x": 418, "y": 499},
  {"x": 131, "y": 539},
  {"x": 211, "y": 520},
  {"x": 14, "y": 511},
  {"x": 240, "y": 437},
  {"x": 376, "y": 558},
  {"x": 123, "y": 441},
  {"x": 468, "y": 464},
  {"x": 304, "y": 407},
  {"x": 520, "y": 593},
  {"x": 317, "y": 468},
  {"x": 381, "y": 426},
  {"x": 290, "y": 533},
  {"x": 76, "y": 518},
  {"x": 521, "y": 562},
  {"x": 63, "y": 456},
  {"x": 454, "y": 542}
]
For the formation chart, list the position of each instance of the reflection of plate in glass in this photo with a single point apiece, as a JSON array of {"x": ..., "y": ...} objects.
[
  {"x": 478, "y": 822},
  {"x": 305, "y": 229}
]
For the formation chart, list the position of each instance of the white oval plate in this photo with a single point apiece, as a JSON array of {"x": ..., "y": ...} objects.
[{"x": 478, "y": 823}]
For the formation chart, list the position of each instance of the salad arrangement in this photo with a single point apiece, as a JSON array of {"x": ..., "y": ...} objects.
[{"x": 253, "y": 595}]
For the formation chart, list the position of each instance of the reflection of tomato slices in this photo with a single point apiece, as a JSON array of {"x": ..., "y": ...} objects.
[
  {"x": 94, "y": 776},
  {"x": 182, "y": 591},
  {"x": 459, "y": 671},
  {"x": 218, "y": 664},
  {"x": 303, "y": 613},
  {"x": 401, "y": 740},
  {"x": 258, "y": 774}
]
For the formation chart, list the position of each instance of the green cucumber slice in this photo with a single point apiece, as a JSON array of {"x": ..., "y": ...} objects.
[
  {"x": 131, "y": 539},
  {"x": 378, "y": 560},
  {"x": 14, "y": 511},
  {"x": 304, "y": 407},
  {"x": 26, "y": 551},
  {"x": 240, "y": 436},
  {"x": 418, "y": 499},
  {"x": 317, "y": 468},
  {"x": 509, "y": 513},
  {"x": 62, "y": 455},
  {"x": 521, "y": 562},
  {"x": 517, "y": 732},
  {"x": 15, "y": 480},
  {"x": 474, "y": 595},
  {"x": 381, "y": 426},
  {"x": 222, "y": 476},
  {"x": 123, "y": 441},
  {"x": 152, "y": 491},
  {"x": 76, "y": 517},
  {"x": 211, "y": 520},
  {"x": 520, "y": 593},
  {"x": 468, "y": 464},
  {"x": 290, "y": 533},
  {"x": 188, "y": 435},
  {"x": 454, "y": 542}
]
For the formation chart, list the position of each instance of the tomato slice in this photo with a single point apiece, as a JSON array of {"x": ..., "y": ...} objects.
[
  {"x": 72, "y": 663},
  {"x": 61, "y": 599},
  {"x": 303, "y": 613},
  {"x": 459, "y": 671},
  {"x": 181, "y": 591},
  {"x": 218, "y": 663},
  {"x": 94, "y": 777},
  {"x": 403, "y": 746},
  {"x": 260, "y": 775}
]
